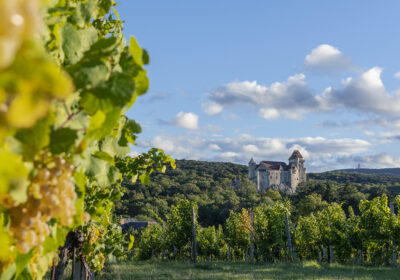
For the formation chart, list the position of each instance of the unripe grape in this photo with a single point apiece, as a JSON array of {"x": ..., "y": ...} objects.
[{"x": 43, "y": 175}]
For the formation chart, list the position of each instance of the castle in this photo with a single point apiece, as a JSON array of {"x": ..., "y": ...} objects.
[{"x": 278, "y": 175}]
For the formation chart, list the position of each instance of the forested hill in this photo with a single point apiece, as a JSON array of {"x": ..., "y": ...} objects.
[
  {"x": 218, "y": 187},
  {"x": 382, "y": 171},
  {"x": 343, "y": 177}
]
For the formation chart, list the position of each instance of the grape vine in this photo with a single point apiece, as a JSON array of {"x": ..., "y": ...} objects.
[{"x": 67, "y": 77}]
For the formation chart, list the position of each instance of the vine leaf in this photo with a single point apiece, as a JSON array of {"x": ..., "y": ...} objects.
[{"x": 62, "y": 140}]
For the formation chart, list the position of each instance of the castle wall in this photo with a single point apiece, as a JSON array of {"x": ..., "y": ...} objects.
[{"x": 274, "y": 178}]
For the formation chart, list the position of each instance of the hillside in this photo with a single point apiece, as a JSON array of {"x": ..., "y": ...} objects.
[{"x": 218, "y": 187}]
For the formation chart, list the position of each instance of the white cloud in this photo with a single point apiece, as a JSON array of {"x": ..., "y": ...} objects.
[
  {"x": 290, "y": 99},
  {"x": 214, "y": 147},
  {"x": 380, "y": 160},
  {"x": 162, "y": 143},
  {"x": 228, "y": 155},
  {"x": 326, "y": 58},
  {"x": 212, "y": 108},
  {"x": 269, "y": 113},
  {"x": 250, "y": 149},
  {"x": 365, "y": 93},
  {"x": 187, "y": 120},
  {"x": 369, "y": 133},
  {"x": 133, "y": 154},
  {"x": 397, "y": 75}
]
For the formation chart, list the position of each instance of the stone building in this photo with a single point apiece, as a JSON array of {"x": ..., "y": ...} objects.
[{"x": 278, "y": 175}]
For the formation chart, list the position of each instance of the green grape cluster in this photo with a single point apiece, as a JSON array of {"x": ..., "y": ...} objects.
[
  {"x": 95, "y": 232},
  {"x": 51, "y": 196}
]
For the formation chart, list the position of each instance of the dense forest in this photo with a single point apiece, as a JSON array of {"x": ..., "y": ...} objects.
[{"x": 219, "y": 187}]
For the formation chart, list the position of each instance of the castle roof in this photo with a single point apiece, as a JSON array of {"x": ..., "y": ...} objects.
[
  {"x": 252, "y": 161},
  {"x": 295, "y": 154},
  {"x": 274, "y": 165}
]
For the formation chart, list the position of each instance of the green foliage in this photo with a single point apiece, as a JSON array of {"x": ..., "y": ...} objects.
[
  {"x": 209, "y": 184},
  {"x": 64, "y": 91},
  {"x": 372, "y": 235}
]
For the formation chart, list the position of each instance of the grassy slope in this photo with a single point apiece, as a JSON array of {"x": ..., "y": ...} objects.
[{"x": 242, "y": 270}]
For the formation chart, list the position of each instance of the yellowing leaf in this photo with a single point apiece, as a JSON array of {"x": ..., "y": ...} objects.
[
  {"x": 13, "y": 177},
  {"x": 136, "y": 51},
  {"x": 131, "y": 241},
  {"x": 26, "y": 108}
]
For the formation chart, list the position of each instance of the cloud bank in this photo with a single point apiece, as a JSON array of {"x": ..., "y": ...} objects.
[
  {"x": 293, "y": 98},
  {"x": 241, "y": 148}
]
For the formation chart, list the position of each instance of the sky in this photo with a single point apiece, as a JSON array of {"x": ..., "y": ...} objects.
[{"x": 231, "y": 80}]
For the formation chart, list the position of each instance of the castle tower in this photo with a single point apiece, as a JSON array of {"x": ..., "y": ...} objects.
[{"x": 297, "y": 170}]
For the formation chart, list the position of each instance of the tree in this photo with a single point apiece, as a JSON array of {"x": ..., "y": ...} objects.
[{"x": 311, "y": 204}]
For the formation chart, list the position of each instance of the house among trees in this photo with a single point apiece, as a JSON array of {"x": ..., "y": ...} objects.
[
  {"x": 278, "y": 175},
  {"x": 128, "y": 223}
]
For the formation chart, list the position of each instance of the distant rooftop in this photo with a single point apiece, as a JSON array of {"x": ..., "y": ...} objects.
[
  {"x": 295, "y": 154},
  {"x": 275, "y": 165}
]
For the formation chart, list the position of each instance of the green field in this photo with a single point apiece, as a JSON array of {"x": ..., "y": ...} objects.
[{"x": 242, "y": 270}]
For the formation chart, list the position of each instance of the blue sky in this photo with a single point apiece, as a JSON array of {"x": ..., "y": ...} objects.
[{"x": 231, "y": 80}]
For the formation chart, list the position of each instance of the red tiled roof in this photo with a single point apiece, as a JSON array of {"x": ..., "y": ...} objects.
[{"x": 274, "y": 165}]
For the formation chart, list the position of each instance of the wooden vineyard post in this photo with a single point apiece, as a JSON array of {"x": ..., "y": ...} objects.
[
  {"x": 331, "y": 257},
  {"x": 394, "y": 256},
  {"x": 73, "y": 263},
  {"x": 294, "y": 243},
  {"x": 81, "y": 270},
  {"x": 252, "y": 236},
  {"x": 194, "y": 236},
  {"x": 288, "y": 236},
  {"x": 78, "y": 272}
]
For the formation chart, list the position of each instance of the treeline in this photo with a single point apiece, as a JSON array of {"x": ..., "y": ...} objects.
[
  {"x": 218, "y": 188},
  {"x": 272, "y": 233},
  {"x": 380, "y": 171}
]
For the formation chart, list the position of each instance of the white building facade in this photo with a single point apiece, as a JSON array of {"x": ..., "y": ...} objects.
[{"x": 278, "y": 175}]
